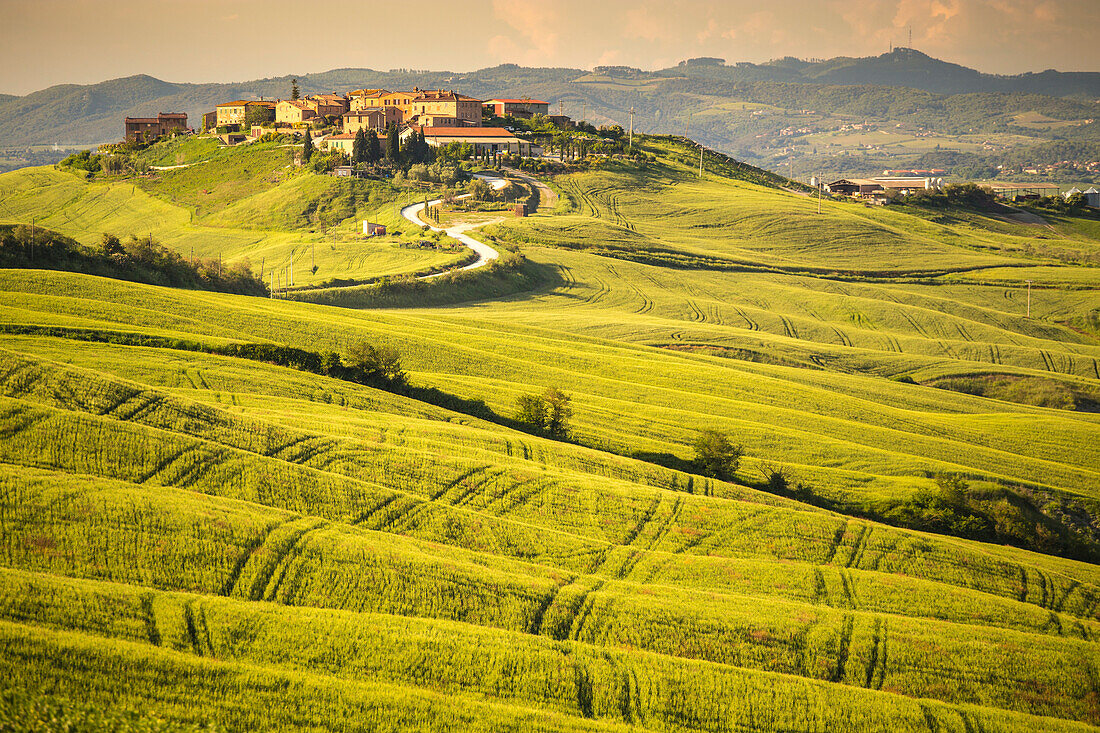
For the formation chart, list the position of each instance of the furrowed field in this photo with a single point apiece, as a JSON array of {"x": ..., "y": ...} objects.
[{"x": 200, "y": 540}]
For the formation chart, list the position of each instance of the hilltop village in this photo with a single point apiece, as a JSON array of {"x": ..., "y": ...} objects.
[
  {"x": 333, "y": 120},
  {"x": 352, "y": 124}
]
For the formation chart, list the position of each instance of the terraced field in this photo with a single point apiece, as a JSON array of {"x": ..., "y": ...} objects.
[{"x": 252, "y": 546}]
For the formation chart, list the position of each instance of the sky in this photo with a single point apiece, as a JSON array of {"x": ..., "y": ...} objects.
[{"x": 47, "y": 42}]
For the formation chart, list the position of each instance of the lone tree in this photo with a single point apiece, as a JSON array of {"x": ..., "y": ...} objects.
[
  {"x": 716, "y": 456},
  {"x": 295, "y": 93},
  {"x": 307, "y": 148},
  {"x": 374, "y": 148}
]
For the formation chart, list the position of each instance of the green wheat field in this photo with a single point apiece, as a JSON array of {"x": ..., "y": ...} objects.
[{"x": 191, "y": 540}]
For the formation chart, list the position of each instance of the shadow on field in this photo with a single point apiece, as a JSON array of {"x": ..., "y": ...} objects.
[{"x": 516, "y": 276}]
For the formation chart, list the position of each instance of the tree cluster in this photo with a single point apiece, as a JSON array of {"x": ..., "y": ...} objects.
[
  {"x": 141, "y": 259},
  {"x": 548, "y": 412}
]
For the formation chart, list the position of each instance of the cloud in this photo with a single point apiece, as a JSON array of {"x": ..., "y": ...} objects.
[
  {"x": 535, "y": 23},
  {"x": 641, "y": 23}
]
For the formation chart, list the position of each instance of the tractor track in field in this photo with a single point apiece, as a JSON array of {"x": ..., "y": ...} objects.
[
  {"x": 876, "y": 667},
  {"x": 859, "y": 547},
  {"x": 293, "y": 550},
  {"x": 584, "y": 610},
  {"x": 844, "y": 644},
  {"x": 373, "y": 511},
  {"x": 834, "y": 546},
  {"x": 749, "y": 323},
  {"x": 435, "y": 496},
  {"x": 238, "y": 567}
]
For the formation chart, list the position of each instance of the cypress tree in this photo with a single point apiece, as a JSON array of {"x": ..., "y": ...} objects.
[
  {"x": 359, "y": 147},
  {"x": 393, "y": 144},
  {"x": 307, "y": 148},
  {"x": 294, "y": 93},
  {"x": 374, "y": 148}
]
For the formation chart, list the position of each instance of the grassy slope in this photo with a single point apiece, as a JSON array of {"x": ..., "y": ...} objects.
[
  {"x": 271, "y": 530},
  {"x": 235, "y": 203}
]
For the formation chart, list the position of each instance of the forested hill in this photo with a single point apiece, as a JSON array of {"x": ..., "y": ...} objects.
[{"x": 902, "y": 67}]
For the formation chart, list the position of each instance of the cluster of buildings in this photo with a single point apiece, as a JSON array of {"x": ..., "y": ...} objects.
[
  {"x": 443, "y": 116},
  {"x": 875, "y": 189}
]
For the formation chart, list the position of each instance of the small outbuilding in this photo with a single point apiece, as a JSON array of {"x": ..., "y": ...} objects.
[
  {"x": 373, "y": 230},
  {"x": 1092, "y": 197}
]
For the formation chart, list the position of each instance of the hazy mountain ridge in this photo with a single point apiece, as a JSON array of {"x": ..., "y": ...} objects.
[{"x": 691, "y": 97}]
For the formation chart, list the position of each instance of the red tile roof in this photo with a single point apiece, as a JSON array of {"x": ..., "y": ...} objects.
[
  {"x": 466, "y": 132},
  {"x": 520, "y": 101},
  {"x": 242, "y": 102}
]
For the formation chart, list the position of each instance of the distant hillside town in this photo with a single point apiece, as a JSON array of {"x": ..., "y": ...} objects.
[{"x": 333, "y": 120}]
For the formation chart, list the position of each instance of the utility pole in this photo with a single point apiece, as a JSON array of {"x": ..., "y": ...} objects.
[
  {"x": 1029, "y": 299},
  {"x": 630, "y": 143},
  {"x": 32, "y": 239},
  {"x": 700, "y": 161},
  {"x": 818, "y": 195},
  {"x": 910, "y": 37}
]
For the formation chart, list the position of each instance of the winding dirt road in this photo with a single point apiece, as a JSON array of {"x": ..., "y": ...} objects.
[{"x": 485, "y": 253}]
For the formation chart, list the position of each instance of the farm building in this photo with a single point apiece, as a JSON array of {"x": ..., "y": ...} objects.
[
  {"x": 1023, "y": 190},
  {"x": 138, "y": 128},
  {"x": 373, "y": 230},
  {"x": 908, "y": 184},
  {"x": 1092, "y": 197},
  {"x": 855, "y": 187},
  {"x": 492, "y": 139}
]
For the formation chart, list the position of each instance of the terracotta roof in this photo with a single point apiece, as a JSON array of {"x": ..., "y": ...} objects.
[
  {"x": 365, "y": 112},
  {"x": 242, "y": 102},
  {"x": 342, "y": 136},
  {"x": 465, "y": 132},
  {"x": 369, "y": 93},
  {"x": 519, "y": 101},
  {"x": 437, "y": 96}
]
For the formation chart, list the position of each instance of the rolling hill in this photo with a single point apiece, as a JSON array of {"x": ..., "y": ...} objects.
[{"x": 203, "y": 538}]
